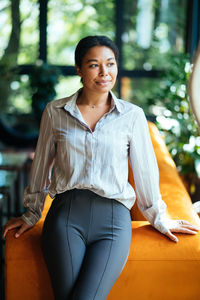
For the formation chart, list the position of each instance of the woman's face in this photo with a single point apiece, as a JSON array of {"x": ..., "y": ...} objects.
[{"x": 99, "y": 69}]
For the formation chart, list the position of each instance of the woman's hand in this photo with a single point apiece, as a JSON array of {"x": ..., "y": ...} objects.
[
  {"x": 180, "y": 226},
  {"x": 15, "y": 223}
]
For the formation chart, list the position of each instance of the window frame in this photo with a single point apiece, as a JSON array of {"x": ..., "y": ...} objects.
[{"x": 192, "y": 39}]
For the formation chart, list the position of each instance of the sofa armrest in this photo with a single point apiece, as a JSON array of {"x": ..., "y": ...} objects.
[{"x": 173, "y": 191}]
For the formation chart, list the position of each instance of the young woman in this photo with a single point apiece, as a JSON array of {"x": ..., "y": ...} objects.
[{"x": 89, "y": 137}]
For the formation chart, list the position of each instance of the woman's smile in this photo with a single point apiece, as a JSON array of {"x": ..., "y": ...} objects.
[{"x": 104, "y": 82}]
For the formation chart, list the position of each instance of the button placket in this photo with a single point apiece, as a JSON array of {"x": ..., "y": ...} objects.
[
  {"x": 89, "y": 148},
  {"x": 93, "y": 134}
]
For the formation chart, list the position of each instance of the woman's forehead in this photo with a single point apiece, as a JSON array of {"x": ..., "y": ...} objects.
[{"x": 99, "y": 52}]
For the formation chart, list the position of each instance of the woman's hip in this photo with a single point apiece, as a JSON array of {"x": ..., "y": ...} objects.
[{"x": 91, "y": 215}]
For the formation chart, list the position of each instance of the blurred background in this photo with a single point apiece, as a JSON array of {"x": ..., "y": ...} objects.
[{"x": 157, "y": 40}]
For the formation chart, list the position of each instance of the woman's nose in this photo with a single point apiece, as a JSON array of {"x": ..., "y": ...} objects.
[{"x": 103, "y": 71}]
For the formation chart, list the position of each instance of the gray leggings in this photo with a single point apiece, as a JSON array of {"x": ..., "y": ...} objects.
[{"x": 85, "y": 242}]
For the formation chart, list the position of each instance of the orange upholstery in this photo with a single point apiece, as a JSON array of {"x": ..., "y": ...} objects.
[{"x": 156, "y": 268}]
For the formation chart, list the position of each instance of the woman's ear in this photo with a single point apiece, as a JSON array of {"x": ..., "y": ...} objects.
[{"x": 78, "y": 70}]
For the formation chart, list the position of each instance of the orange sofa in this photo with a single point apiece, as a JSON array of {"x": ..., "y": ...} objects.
[{"x": 156, "y": 268}]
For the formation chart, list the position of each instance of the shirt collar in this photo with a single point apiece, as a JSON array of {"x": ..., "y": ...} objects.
[{"x": 69, "y": 103}]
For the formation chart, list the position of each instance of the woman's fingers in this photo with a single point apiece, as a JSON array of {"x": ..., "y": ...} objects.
[
  {"x": 186, "y": 224},
  {"x": 192, "y": 227},
  {"x": 183, "y": 230},
  {"x": 181, "y": 226},
  {"x": 14, "y": 223},
  {"x": 171, "y": 236},
  {"x": 23, "y": 228}
]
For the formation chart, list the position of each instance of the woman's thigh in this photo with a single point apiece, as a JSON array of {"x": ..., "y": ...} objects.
[
  {"x": 108, "y": 247},
  {"x": 63, "y": 248}
]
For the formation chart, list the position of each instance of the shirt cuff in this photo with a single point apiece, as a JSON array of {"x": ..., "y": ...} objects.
[
  {"x": 157, "y": 216},
  {"x": 30, "y": 218}
]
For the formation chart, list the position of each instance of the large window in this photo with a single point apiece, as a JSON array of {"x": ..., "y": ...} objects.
[
  {"x": 71, "y": 20},
  {"x": 153, "y": 29},
  {"x": 146, "y": 32},
  {"x": 19, "y": 37},
  {"x": 29, "y": 37},
  {"x": 22, "y": 17}
]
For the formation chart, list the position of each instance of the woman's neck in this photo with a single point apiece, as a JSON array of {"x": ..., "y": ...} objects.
[{"x": 90, "y": 98}]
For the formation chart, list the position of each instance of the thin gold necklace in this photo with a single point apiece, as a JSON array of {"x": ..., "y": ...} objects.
[{"x": 92, "y": 106}]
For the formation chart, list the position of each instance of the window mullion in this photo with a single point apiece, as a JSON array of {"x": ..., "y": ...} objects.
[{"x": 43, "y": 30}]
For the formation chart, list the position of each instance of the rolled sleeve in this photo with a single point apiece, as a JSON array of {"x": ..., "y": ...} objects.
[
  {"x": 146, "y": 174},
  {"x": 40, "y": 176}
]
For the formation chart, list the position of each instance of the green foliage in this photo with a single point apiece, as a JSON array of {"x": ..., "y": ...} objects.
[
  {"x": 71, "y": 20},
  {"x": 8, "y": 73},
  {"x": 165, "y": 33},
  {"x": 175, "y": 118},
  {"x": 42, "y": 81}
]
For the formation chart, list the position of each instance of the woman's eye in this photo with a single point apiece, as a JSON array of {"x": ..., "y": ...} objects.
[
  {"x": 93, "y": 66},
  {"x": 111, "y": 64}
]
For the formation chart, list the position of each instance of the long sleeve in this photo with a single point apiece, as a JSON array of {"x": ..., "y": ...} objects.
[
  {"x": 146, "y": 175},
  {"x": 35, "y": 193}
]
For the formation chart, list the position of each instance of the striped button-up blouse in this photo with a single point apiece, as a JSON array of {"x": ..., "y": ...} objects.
[{"x": 95, "y": 160}]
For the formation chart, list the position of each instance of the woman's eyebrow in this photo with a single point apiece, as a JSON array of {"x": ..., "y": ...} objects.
[
  {"x": 96, "y": 60},
  {"x": 92, "y": 59},
  {"x": 110, "y": 58}
]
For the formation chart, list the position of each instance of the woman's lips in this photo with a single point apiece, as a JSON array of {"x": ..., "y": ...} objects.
[{"x": 103, "y": 83}]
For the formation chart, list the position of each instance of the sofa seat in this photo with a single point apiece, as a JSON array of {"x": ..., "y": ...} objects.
[{"x": 156, "y": 269}]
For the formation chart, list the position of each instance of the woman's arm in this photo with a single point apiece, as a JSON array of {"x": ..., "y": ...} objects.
[
  {"x": 146, "y": 176},
  {"x": 35, "y": 193}
]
